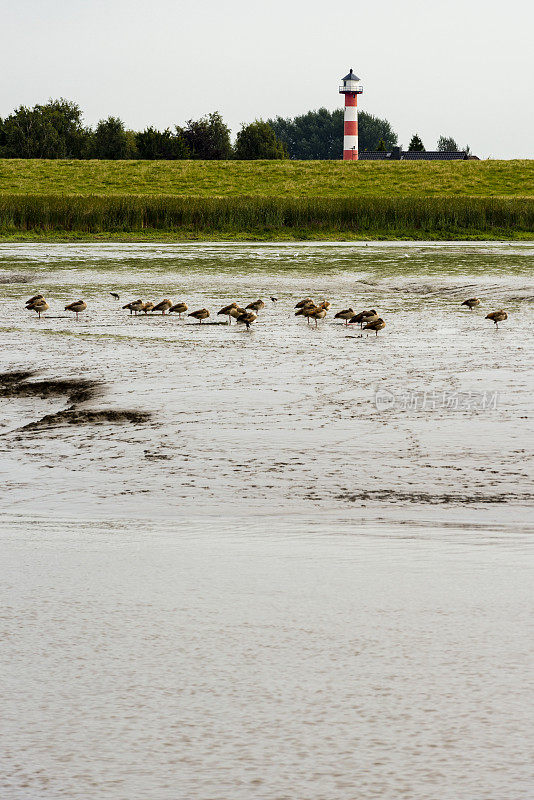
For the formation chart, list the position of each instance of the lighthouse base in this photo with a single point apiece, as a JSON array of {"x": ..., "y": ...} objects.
[{"x": 350, "y": 155}]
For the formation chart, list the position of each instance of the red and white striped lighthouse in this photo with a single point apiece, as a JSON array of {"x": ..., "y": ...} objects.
[{"x": 351, "y": 89}]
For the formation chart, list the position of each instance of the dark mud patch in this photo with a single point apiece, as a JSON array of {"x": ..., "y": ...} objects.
[
  {"x": 426, "y": 498},
  {"x": 72, "y": 416},
  {"x": 76, "y": 390}
]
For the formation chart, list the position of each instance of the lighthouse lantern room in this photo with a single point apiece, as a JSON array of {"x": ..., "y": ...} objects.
[{"x": 351, "y": 89}]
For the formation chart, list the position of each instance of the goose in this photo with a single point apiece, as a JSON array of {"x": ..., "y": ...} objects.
[
  {"x": 201, "y": 314},
  {"x": 370, "y": 318},
  {"x": 346, "y": 314},
  {"x": 34, "y": 298},
  {"x": 325, "y": 304},
  {"x": 318, "y": 313},
  {"x": 497, "y": 316},
  {"x": 163, "y": 306},
  {"x": 364, "y": 316},
  {"x": 135, "y": 305},
  {"x": 471, "y": 303},
  {"x": 376, "y": 325},
  {"x": 247, "y": 318},
  {"x": 39, "y": 306},
  {"x": 306, "y": 311},
  {"x": 115, "y": 295},
  {"x": 307, "y": 302},
  {"x": 226, "y": 311},
  {"x": 257, "y": 305},
  {"x": 359, "y": 318},
  {"x": 148, "y": 306},
  {"x": 178, "y": 308},
  {"x": 274, "y": 299},
  {"x": 236, "y": 312},
  {"x": 78, "y": 306}
]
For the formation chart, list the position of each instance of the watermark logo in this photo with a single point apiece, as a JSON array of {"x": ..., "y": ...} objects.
[{"x": 423, "y": 400}]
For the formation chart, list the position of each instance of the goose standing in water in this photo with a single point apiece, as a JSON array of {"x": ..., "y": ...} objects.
[
  {"x": 148, "y": 306},
  {"x": 497, "y": 316},
  {"x": 307, "y": 302},
  {"x": 227, "y": 311},
  {"x": 376, "y": 325},
  {"x": 471, "y": 302},
  {"x": 78, "y": 306},
  {"x": 39, "y": 306},
  {"x": 306, "y": 311},
  {"x": 163, "y": 306},
  {"x": 135, "y": 305},
  {"x": 365, "y": 316},
  {"x": 247, "y": 318},
  {"x": 236, "y": 312},
  {"x": 346, "y": 314},
  {"x": 257, "y": 305},
  {"x": 318, "y": 313},
  {"x": 201, "y": 314},
  {"x": 178, "y": 308}
]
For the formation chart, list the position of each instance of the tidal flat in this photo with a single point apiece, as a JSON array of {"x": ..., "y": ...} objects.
[{"x": 277, "y": 563}]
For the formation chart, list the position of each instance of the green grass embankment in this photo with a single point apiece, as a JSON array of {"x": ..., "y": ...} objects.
[{"x": 266, "y": 199}]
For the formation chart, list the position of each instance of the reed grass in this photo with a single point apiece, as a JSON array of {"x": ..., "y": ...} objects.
[{"x": 448, "y": 217}]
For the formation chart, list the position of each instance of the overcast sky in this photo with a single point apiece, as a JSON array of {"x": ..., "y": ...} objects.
[{"x": 462, "y": 68}]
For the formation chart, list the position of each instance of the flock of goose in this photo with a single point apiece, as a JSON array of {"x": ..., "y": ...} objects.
[{"x": 368, "y": 320}]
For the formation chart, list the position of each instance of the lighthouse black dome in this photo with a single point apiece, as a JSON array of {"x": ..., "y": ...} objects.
[{"x": 351, "y": 76}]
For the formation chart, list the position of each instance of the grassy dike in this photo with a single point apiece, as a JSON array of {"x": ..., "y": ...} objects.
[{"x": 176, "y": 200}]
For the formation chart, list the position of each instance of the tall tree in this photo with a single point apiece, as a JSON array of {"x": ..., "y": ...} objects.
[
  {"x": 207, "y": 137},
  {"x": 152, "y": 143},
  {"x": 52, "y": 130},
  {"x": 258, "y": 140},
  {"x": 319, "y": 134},
  {"x": 416, "y": 145},
  {"x": 447, "y": 144},
  {"x": 109, "y": 140}
]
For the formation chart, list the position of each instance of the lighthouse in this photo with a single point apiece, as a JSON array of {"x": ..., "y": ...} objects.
[{"x": 351, "y": 89}]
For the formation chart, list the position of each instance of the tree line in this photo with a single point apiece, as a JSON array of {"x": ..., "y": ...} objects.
[{"x": 56, "y": 130}]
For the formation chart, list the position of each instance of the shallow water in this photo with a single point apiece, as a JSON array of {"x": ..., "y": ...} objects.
[{"x": 306, "y": 572}]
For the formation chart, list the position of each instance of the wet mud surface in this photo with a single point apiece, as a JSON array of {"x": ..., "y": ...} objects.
[{"x": 215, "y": 417}]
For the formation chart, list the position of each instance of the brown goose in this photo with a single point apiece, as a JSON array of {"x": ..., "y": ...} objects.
[
  {"x": 318, "y": 313},
  {"x": 34, "y": 298},
  {"x": 201, "y": 314},
  {"x": 178, "y": 308},
  {"x": 497, "y": 316},
  {"x": 257, "y": 305},
  {"x": 236, "y": 312},
  {"x": 163, "y": 306},
  {"x": 226, "y": 311},
  {"x": 363, "y": 317},
  {"x": 346, "y": 314},
  {"x": 39, "y": 306},
  {"x": 247, "y": 318},
  {"x": 148, "y": 306},
  {"x": 78, "y": 306},
  {"x": 471, "y": 302},
  {"x": 376, "y": 325},
  {"x": 325, "y": 304},
  {"x": 306, "y": 311},
  {"x": 307, "y": 302},
  {"x": 135, "y": 305}
]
